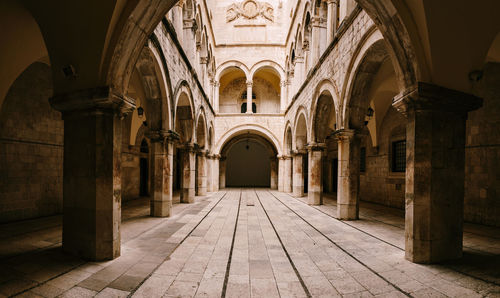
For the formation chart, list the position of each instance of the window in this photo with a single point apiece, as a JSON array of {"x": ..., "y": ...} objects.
[
  {"x": 244, "y": 107},
  {"x": 362, "y": 161},
  {"x": 399, "y": 156}
]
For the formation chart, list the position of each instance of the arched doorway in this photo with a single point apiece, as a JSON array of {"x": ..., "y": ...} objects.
[{"x": 249, "y": 159}]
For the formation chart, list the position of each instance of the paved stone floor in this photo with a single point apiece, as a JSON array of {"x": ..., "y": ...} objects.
[{"x": 247, "y": 243}]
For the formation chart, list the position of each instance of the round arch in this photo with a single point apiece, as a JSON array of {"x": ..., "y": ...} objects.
[
  {"x": 244, "y": 129},
  {"x": 287, "y": 138},
  {"x": 226, "y": 66},
  {"x": 371, "y": 38},
  {"x": 300, "y": 129},
  {"x": 321, "y": 107},
  {"x": 201, "y": 129},
  {"x": 184, "y": 112},
  {"x": 269, "y": 64}
]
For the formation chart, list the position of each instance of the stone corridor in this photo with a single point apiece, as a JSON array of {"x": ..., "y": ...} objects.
[{"x": 247, "y": 243}]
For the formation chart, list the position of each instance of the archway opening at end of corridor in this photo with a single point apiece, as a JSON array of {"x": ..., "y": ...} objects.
[{"x": 249, "y": 160}]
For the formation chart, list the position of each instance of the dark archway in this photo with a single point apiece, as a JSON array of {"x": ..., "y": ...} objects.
[{"x": 250, "y": 161}]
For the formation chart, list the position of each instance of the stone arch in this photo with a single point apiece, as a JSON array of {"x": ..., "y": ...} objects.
[
  {"x": 267, "y": 64},
  {"x": 372, "y": 44},
  {"x": 201, "y": 129},
  {"x": 288, "y": 139},
  {"x": 153, "y": 81},
  {"x": 301, "y": 130},
  {"x": 243, "y": 129},
  {"x": 228, "y": 65},
  {"x": 405, "y": 49},
  {"x": 324, "y": 111},
  {"x": 211, "y": 136},
  {"x": 184, "y": 112}
]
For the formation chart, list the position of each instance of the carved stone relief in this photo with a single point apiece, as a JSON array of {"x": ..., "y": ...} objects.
[{"x": 250, "y": 9}]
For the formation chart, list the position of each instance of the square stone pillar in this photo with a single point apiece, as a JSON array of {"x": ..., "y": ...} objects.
[
  {"x": 274, "y": 172},
  {"x": 215, "y": 172},
  {"x": 222, "y": 172},
  {"x": 216, "y": 96},
  {"x": 202, "y": 173},
  {"x": 281, "y": 173},
  {"x": 210, "y": 160},
  {"x": 283, "y": 99},
  {"x": 316, "y": 40},
  {"x": 315, "y": 189},
  {"x": 348, "y": 180},
  {"x": 435, "y": 165},
  {"x": 188, "y": 174},
  {"x": 92, "y": 171},
  {"x": 287, "y": 174},
  {"x": 162, "y": 144},
  {"x": 298, "y": 173}
]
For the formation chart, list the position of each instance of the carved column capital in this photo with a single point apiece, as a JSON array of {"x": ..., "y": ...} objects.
[
  {"x": 427, "y": 96},
  {"x": 94, "y": 100},
  {"x": 316, "y": 146},
  {"x": 249, "y": 84},
  {"x": 343, "y": 135}
]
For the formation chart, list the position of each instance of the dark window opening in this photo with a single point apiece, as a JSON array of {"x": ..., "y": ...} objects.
[
  {"x": 244, "y": 107},
  {"x": 362, "y": 160},
  {"x": 144, "y": 146},
  {"x": 399, "y": 156}
]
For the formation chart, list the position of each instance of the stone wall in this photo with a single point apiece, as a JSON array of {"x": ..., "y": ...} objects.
[
  {"x": 378, "y": 184},
  {"x": 31, "y": 148},
  {"x": 482, "y": 154}
]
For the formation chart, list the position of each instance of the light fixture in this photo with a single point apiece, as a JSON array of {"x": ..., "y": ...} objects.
[
  {"x": 140, "y": 112},
  {"x": 369, "y": 115}
]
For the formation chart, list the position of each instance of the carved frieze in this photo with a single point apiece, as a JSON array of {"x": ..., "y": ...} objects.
[{"x": 249, "y": 9}]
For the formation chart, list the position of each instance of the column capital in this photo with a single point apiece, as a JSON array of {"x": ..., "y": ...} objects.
[
  {"x": 203, "y": 60},
  {"x": 299, "y": 152},
  {"x": 283, "y": 83},
  {"x": 100, "y": 99},
  {"x": 344, "y": 134},
  {"x": 313, "y": 146},
  {"x": 249, "y": 84},
  {"x": 162, "y": 136},
  {"x": 427, "y": 96},
  {"x": 203, "y": 153},
  {"x": 330, "y": 2}
]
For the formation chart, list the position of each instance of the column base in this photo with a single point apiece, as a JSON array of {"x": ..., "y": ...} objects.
[
  {"x": 187, "y": 195},
  {"x": 347, "y": 212},
  {"x": 202, "y": 191},
  {"x": 314, "y": 198},
  {"x": 298, "y": 191},
  {"x": 161, "y": 208},
  {"x": 434, "y": 251}
]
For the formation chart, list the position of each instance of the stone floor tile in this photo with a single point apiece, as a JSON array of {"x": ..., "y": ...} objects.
[
  {"x": 47, "y": 290},
  {"x": 154, "y": 286},
  {"x": 263, "y": 288},
  {"x": 182, "y": 289},
  {"x": 291, "y": 289},
  {"x": 112, "y": 293},
  {"x": 78, "y": 292}
]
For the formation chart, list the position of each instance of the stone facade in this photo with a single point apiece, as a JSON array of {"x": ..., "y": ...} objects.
[{"x": 31, "y": 148}]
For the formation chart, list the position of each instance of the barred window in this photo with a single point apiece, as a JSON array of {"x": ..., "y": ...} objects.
[
  {"x": 399, "y": 156},
  {"x": 362, "y": 161}
]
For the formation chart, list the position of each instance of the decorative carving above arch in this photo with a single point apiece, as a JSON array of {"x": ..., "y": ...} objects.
[{"x": 250, "y": 10}]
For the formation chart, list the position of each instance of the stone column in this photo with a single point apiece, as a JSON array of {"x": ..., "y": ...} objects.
[
  {"x": 249, "y": 97},
  {"x": 315, "y": 42},
  {"x": 222, "y": 172},
  {"x": 315, "y": 189},
  {"x": 289, "y": 91},
  {"x": 216, "y": 96},
  {"x": 92, "y": 171},
  {"x": 202, "y": 173},
  {"x": 348, "y": 180},
  {"x": 188, "y": 173},
  {"x": 298, "y": 173},
  {"x": 161, "y": 162},
  {"x": 288, "y": 174},
  {"x": 179, "y": 20},
  {"x": 209, "y": 173},
  {"x": 274, "y": 172},
  {"x": 283, "y": 99},
  {"x": 435, "y": 158},
  {"x": 215, "y": 172},
  {"x": 331, "y": 21},
  {"x": 281, "y": 173}
]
